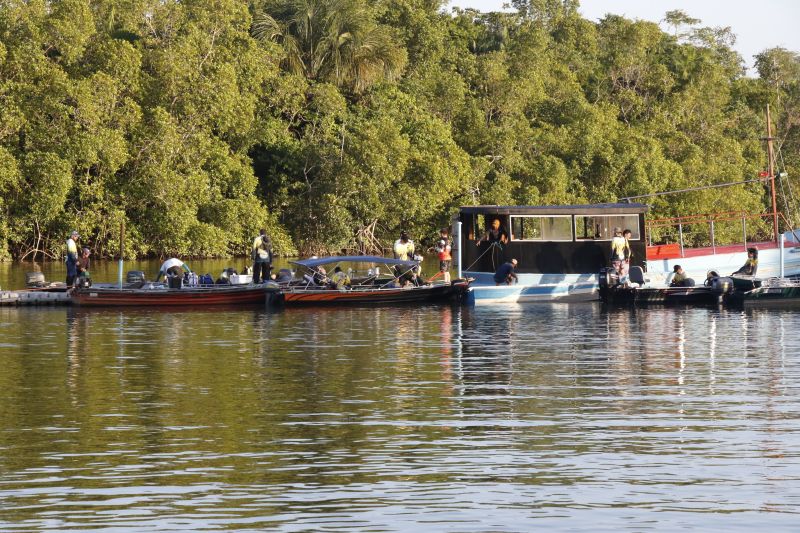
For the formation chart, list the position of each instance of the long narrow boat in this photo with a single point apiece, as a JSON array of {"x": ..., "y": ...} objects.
[
  {"x": 160, "y": 295},
  {"x": 366, "y": 288},
  {"x": 777, "y": 292}
]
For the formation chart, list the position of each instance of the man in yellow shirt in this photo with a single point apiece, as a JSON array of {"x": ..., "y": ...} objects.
[
  {"x": 262, "y": 257},
  {"x": 72, "y": 258}
]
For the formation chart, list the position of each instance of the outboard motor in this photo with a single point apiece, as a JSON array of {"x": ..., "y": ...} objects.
[
  {"x": 721, "y": 287},
  {"x": 34, "y": 279},
  {"x": 135, "y": 276},
  {"x": 607, "y": 278}
]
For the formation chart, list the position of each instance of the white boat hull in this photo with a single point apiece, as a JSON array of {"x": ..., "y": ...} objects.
[{"x": 584, "y": 287}]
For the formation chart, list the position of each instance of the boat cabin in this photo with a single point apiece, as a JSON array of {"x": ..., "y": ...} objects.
[{"x": 568, "y": 239}]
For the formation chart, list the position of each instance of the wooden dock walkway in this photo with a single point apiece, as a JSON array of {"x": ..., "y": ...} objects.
[{"x": 28, "y": 297}]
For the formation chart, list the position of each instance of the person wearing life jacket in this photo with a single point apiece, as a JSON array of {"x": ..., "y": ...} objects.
[
  {"x": 72, "y": 258},
  {"x": 751, "y": 265},
  {"x": 340, "y": 280},
  {"x": 404, "y": 251},
  {"x": 261, "y": 254},
  {"x": 404, "y": 247},
  {"x": 620, "y": 252},
  {"x": 443, "y": 248}
]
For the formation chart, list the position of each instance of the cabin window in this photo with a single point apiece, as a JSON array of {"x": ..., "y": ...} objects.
[
  {"x": 601, "y": 227},
  {"x": 487, "y": 223},
  {"x": 538, "y": 228}
]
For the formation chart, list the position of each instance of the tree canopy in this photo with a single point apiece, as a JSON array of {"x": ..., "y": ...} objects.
[{"x": 195, "y": 123}]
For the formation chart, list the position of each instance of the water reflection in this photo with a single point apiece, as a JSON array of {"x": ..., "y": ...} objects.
[{"x": 474, "y": 419}]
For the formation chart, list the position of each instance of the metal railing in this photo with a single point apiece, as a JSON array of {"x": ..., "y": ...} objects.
[{"x": 711, "y": 220}]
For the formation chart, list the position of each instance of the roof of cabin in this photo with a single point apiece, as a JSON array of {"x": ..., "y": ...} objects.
[{"x": 579, "y": 209}]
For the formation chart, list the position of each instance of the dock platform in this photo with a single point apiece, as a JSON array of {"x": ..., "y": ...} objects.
[{"x": 34, "y": 297}]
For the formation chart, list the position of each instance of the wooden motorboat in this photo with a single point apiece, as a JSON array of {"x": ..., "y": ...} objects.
[
  {"x": 161, "y": 295},
  {"x": 366, "y": 288}
]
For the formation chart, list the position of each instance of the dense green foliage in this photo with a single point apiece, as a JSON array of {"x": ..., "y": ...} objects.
[{"x": 195, "y": 123}]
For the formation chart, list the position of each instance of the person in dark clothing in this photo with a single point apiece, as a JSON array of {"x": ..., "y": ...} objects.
[
  {"x": 505, "y": 274},
  {"x": 495, "y": 234},
  {"x": 84, "y": 279}
]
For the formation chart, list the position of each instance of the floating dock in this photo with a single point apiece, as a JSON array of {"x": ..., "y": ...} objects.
[{"x": 34, "y": 297}]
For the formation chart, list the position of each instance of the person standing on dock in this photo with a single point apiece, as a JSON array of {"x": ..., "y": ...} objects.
[
  {"x": 262, "y": 257},
  {"x": 72, "y": 258}
]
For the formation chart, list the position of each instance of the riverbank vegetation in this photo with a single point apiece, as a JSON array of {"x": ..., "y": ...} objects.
[{"x": 334, "y": 123}]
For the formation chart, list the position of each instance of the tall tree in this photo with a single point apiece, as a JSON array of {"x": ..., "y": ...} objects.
[{"x": 337, "y": 41}]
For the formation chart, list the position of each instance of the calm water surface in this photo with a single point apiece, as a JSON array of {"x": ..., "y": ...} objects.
[{"x": 503, "y": 418}]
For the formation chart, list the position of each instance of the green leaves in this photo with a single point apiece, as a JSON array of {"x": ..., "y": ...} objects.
[{"x": 197, "y": 123}]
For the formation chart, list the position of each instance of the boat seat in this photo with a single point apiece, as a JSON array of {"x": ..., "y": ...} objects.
[{"x": 636, "y": 275}]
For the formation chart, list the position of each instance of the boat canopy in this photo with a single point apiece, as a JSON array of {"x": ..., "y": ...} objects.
[{"x": 313, "y": 263}]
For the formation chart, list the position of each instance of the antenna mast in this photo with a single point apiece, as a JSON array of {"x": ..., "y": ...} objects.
[{"x": 771, "y": 170}]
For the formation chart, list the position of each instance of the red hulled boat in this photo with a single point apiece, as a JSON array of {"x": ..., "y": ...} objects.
[
  {"x": 369, "y": 289},
  {"x": 159, "y": 295}
]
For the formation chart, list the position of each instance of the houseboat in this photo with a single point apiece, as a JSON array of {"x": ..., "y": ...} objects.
[{"x": 561, "y": 249}]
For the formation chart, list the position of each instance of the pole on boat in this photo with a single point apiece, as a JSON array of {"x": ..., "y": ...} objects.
[
  {"x": 458, "y": 248},
  {"x": 771, "y": 168},
  {"x": 783, "y": 242},
  {"x": 121, "y": 251}
]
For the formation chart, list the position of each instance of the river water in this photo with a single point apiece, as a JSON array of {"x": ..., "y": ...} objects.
[{"x": 438, "y": 418}]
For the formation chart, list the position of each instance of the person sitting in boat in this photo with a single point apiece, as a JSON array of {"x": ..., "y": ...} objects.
[
  {"x": 284, "y": 276},
  {"x": 225, "y": 276},
  {"x": 620, "y": 251},
  {"x": 172, "y": 266},
  {"x": 680, "y": 278},
  {"x": 505, "y": 274},
  {"x": 317, "y": 276},
  {"x": 751, "y": 265},
  {"x": 495, "y": 234},
  {"x": 339, "y": 280}
]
